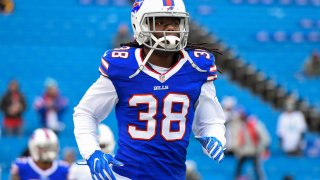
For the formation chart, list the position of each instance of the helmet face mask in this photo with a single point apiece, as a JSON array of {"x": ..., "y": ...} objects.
[
  {"x": 170, "y": 40},
  {"x": 43, "y": 145},
  {"x": 143, "y": 22},
  {"x": 47, "y": 153}
]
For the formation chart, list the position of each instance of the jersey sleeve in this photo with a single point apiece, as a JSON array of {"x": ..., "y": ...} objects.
[
  {"x": 213, "y": 72},
  {"x": 94, "y": 106},
  {"x": 209, "y": 117},
  {"x": 206, "y": 61},
  {"x": 104, "y": 67},
  {"x": 16, "y": 165},
  {"x": 211, "y": 67},
  {"x": 114, "y": 61}
]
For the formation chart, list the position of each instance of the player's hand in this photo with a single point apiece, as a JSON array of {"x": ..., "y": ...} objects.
[
  {"x": 99, "y": 165},
  {"x": 213, "y": 147}
]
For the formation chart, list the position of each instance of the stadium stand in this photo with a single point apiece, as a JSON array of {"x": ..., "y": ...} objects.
[{"x": 275, "y": 24}]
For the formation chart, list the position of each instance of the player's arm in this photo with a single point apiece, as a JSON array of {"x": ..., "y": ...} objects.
[
  {"x": 95, "y": 105},
  {"x": 208, "y": 125}
]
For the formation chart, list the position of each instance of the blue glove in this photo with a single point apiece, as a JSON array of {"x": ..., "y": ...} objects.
[
  {"x": 99, "y": 165},
  {"x": 213, "y": 147}
]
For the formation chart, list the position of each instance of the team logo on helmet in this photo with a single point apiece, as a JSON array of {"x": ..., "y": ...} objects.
[
  {"x": 168, "y": 2},
  {"x": 137, "y": 5},
  {"x": 170, "y": 8}
]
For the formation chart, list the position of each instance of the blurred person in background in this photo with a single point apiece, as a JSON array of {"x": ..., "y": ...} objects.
[
  {"x": 192, "y": 172},
  {"x": 51, "y": 106},
  {"x": 69, "y": 155},
  {"x": 42, "y": 164},
  {"x": 228, "y": 104},
  {"x": 288, "y": 177},
  {"x": 107, "y": 144},
  {"x": 312, "y": 65},
  {"x": 6, "y": 6},
  {"x": 291, "y": 127},
  {"x": 13, "y": 104},
  {"x": 123, "y": 35},
  {"x": 252, "y": 142}
]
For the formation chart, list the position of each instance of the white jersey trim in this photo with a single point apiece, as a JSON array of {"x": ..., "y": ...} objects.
[
  {"x": 160, "y": 77},
  {"x": 41, "y": 172}
]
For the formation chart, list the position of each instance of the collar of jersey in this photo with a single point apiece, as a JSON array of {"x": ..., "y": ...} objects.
[
  {"x": 156, "y": 75},
  {"x": 47, "y": 172}
]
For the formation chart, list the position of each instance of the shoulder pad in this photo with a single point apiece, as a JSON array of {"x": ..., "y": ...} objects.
[
  {"x": 206, "y": 61},
  {"x": 21, "y": 160},
  {"x": 19, "y": 163},
  {"x": 63, "y": 163},
  {"x": 115, "y": 58}
]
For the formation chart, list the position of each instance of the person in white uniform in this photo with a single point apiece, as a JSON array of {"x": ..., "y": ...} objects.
[
  {"x": 107, "y": 145},
  {"x": 291, "y": 128}
]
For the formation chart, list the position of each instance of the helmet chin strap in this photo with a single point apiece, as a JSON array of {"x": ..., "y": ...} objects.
[
  {"x": 167, "y": 42},
  {"x": 171, "y": 42},
  {"x": 141, "y": 67}
]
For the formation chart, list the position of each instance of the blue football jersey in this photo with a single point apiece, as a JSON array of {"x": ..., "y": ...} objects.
[
  {"x": 155, "y": 111},
  {"x": 27, "y": 170}
]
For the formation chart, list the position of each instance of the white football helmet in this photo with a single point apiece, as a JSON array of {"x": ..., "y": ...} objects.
[
  {"x": 106, "y": 139},
  {"x": 144, "y": 12},
  {"x": 43, "y": 145}
]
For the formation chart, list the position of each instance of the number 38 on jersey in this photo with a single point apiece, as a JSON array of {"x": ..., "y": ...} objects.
[{"x": 170, "y": 117}]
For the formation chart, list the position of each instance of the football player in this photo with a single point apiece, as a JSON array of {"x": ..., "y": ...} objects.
[
  {"x": 162, "y": 89},
  {"x": 43, "y": 164},
  {"x": 107, "y": 145}
]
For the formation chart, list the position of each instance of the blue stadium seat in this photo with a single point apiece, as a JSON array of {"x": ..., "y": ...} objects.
[{"x": 64, "y": 40}]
